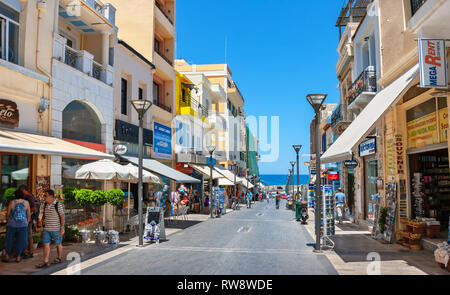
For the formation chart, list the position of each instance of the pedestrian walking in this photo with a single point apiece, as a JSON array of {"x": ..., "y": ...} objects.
[
  {"x": 249, "y": 199},
  {"x": 53, "y": 222},
  {"x": 34, "y": 210},
  {"x": 341, "y": 204},
  {"x": 18, "y": 216},
  {"x": 277, "y": 200}
]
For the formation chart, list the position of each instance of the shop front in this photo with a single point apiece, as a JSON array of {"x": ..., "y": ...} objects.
[{"x": 368, "y": 156}]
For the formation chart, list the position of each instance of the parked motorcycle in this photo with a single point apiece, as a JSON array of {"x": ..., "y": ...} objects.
[{"x": 302, "y": 211}]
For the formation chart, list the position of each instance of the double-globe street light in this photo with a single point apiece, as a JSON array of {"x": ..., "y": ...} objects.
[
  {"x": 141, "y": 106},
  {"x": 211, "y": 149},
  {"x": 316, "y": 101}
]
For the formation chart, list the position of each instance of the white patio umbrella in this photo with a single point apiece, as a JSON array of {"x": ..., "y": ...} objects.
[
  {"x": 21, "y": 174},
  {"x": 103, "y": 170},
  {"x": 147, "y": 177}
]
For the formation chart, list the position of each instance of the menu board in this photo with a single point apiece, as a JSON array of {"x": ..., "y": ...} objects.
[
  {"x": 391, "y": 197},
  {"x": 154, "y": 214},
  {"x": 42, "y": 184}
]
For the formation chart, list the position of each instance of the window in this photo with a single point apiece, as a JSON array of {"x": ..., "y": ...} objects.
[
  {"x": 80, "y": 122},
  {"x": 141, "y": 93},
  {"x": 9, "y": 34},
  {"x": 156, "y": 88},
  {"x": 157, "y": 46},
  {"x": 14, "y": 171},
  {"x": 123, "y": 98}
]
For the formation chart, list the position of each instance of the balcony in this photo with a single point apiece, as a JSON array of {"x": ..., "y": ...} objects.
[
  {"x": 165, "y": 58},
  {"x": 363, "y": 89},
  {"x": 89, "y": 11},
  {"x": 163, "y": 106},
  {"x": 415, "y": 5},
  {"x": 163, "y": 12},
  {"x": 430, "y": 19},
  {"x": 338, "y": 121},
  {"x": 235, "y": 96},
  {"x": 82, "y": 61}
]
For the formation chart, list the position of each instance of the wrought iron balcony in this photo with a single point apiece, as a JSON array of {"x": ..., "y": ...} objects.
[
  {"x": 336, "y": 116},
  {"x": 416, "y": 4},
  {"x": 366, "y": 82}
]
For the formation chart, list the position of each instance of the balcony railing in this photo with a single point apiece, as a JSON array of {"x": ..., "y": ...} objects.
[
  {"x": 416, "y": 4},
  {"x": 336, "y": 116},
  {"x": 366, "y": 82},
  {"x": 163, "y": 106},
  {"x": 165, "y": 14},
  {"x": 97, "y": 70},
  {"x": 71, "y": 57},
  {"x": 165, "y": 58}
]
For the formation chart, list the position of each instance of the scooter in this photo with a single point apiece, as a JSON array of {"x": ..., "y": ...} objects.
[{"x": 304, "y": 212}]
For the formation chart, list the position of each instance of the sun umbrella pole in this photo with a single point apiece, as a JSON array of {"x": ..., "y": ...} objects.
[{"x": 129, "y": 202}]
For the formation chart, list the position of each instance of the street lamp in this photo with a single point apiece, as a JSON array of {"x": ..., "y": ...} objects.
[
  {"x": 316, "y": 101},
  {"x": 235, "y": 163},
  {"x": 211, "y": 149},
  {"x": 293, "y": 165},
  {"x": 141, "y": 106},
  {"x": 297, "y": 149}
]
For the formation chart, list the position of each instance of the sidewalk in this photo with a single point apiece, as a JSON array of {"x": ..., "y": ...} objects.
[
  {"x": 91, "y": 253},
  {"x": 352, "y": 246}
]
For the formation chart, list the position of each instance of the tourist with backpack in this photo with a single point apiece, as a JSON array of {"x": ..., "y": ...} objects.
[
  {"x": 18, "y": 216},
  {"x": 34, "y": 209},
  {"x": 53, "y": 221}
]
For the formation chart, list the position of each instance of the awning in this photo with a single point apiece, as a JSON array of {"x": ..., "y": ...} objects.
[
  {"x": 225, "y": 182},
  {"x": 246, "y": 183},
  {"x": 206, "y": 171},
  {"x": 161, "y": 169},
  {"x": 341, "y": 149},
  {"x": 228, "y": 174},
  {"x": 30, "y": 143}
]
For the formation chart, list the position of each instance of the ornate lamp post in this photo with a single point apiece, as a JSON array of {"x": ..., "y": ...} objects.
[
  {"x": 316, "y": 101},
  {"x": 211, "y": 149},
  {"x": 293, "y": 165},
  {"x": 297, "y": 149},
  {"x": 141, "y": 106}
]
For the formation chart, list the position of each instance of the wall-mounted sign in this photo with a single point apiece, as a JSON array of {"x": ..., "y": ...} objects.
[
  {"x": 399, "y": 150},
  {"x": 163, "y": 141},
  {"x": 127, "y": 132},
  {"x": 9, "y": 113},
  {"x": 120, "y": 149},
  {"x": 333, "y": 175},
  {"x": 368, "y": 147},
  {"x": 351, "y": 164},
  {"x": 313, "y": 172},
  {"x": 433, "y": 63}
]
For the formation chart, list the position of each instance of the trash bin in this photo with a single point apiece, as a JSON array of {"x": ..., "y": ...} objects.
[
  {"x": 85, "y": 235},
  {"x": 113, "y": 237},
  {"x": 298, "y": 210},
  {"x": 99, "y": 236}
]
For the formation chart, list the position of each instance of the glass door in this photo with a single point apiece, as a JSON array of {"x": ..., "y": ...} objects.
[{"x": 371, "y": 192}]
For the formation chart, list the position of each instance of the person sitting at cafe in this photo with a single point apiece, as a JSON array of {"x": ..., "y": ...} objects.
[{"x": 18, "y": 216}]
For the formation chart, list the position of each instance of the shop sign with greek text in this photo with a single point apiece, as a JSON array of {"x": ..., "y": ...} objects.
[
  {"x": 9, "y": 113},
  {"x": 433, "y": 64},
  {"x": 368, "y": 147}
]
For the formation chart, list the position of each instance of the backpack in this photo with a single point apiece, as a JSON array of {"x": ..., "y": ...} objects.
[{"x": 20, "y": 213}]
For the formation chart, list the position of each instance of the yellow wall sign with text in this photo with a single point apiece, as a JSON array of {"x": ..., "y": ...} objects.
[
  {"x": 443, "y": 124},
  {"x": 422, "y": 131}
]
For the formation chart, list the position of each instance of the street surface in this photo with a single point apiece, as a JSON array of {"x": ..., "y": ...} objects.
[{"x": 256, "y": 241}]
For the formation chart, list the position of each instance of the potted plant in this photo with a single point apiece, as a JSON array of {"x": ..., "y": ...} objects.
[
  {"x": 116, "y": 197},
  {"x": 99, "y": 198},
  {"x": 382, "y": 219},
  {"x": 69, "y": 194},
  {"x": 8, "y": 195},
  {"x": 83, "y": 197},
  {"x": 71, "y": 233},
  {"x": 36, "y": 240}
]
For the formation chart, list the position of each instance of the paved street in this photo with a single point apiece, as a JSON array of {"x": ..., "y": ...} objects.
[{"x": 256, "y": 241}]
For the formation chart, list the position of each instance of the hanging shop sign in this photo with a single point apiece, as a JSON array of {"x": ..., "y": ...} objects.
[
  {"x": 351, "y": 164},
  {"x": 9, "y": 113},
  {"x": 390, "y": 157},
  {"x": 399, "y": 151},
  {"x": 422, "y": 131},
  {"x": 433, "y": 63},
  {"x": 368, "y": 147},
  {"x": 162, "y": 141},
  {"x": 120, "y": 149}
]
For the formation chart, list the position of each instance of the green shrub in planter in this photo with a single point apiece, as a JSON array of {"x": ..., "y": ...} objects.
[
  {"x": 69, "y": 194},
  {"x": 116, "y": 197},
  {"x": 83, "y": 197},
  {"x": 99, "y": 198},
  {"x": 8, "y": 195},
  {"x": 71, "y": 233},
  {"x": 36, "y": 238},
  {"x": 382, "y": 219}
]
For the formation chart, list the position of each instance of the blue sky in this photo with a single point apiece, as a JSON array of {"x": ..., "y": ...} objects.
[{"x": 278, "y": 51}]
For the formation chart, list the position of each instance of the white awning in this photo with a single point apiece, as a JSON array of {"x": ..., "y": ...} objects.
[
  {"x": 228, "y": 174},
  {"x": 206, "y": 171},
  {"x": 246, "y": 183},
  {"x": 341, "y": 149},
  {"x": 30, "y": 143},
  {"x": 164, "y": 170},
  {"x": 225, "y": 182}
]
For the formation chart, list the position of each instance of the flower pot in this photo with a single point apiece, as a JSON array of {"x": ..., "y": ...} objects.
[{"x": 35, "y": 245}]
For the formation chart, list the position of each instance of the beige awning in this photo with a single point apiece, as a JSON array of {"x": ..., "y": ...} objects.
[
  {"x": 341, "y": 149},
  {"x": 30, "y": 143},
  {"x": 206, "y": 171},
  {"x": 225, "y": 182}
]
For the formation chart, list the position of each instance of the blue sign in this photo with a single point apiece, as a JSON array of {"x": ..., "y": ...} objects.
[
  {"x": 162, "y": 141},
  {"x": 368, "y": 147}
]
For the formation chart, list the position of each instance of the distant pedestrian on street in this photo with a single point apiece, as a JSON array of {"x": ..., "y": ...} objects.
[
  {"x": 249, "y": 199},
  {"x": 277, "y": 200},
  {"x": 53, "y": 222},
  {"x": 341, "y": 204}
]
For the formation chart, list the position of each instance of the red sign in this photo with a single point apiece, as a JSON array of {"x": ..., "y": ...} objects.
[
  {"x": 184, "y": 168},
  {"x": 333, "y": 176},
  {"x": 9, "y": 114}
]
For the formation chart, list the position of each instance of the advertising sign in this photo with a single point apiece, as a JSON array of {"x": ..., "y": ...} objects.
[
  {"x": 127, "y": 132},
  {"x": 333, "y": 176},
  {"x": 368, "y": 147},
  {"x": 433, "y": 63},
  {"x": 443, "y": 124},
  {"x": 422, "y": 131},
  {"x": 163, "y": 141},
  {"x": 120, "y": 149},
  {"x": 351, "y": 164},
  {"x": 9, "y": 113}
]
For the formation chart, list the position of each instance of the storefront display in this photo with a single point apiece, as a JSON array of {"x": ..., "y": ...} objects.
[{"x": 391, "y": 198}]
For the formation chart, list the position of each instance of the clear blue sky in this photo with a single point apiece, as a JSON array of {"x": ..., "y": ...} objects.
[{"x": 278, "y": 51}]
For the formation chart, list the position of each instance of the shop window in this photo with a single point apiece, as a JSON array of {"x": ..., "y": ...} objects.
[
  {"x": 14, "y": 171},
  {"x": 9, "y": 34},
  {"x": 81, "y": 123},
  {"x": 124, "y": 97},
  {"x": 141, "y": 93}
]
